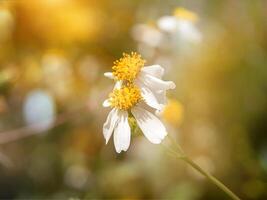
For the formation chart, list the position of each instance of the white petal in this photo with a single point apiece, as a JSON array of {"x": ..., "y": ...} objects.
[
  {"x": 151, "y": 126},
  {"x": 154, "y": 97},
  {"x": 150, "y": 98},
  {"x": 167, "y": 23},
  {"x": 144, "y": 105},
  {"x": 110, "y": 123},
  {"x": 109, "y": 75},
  {"x": 118, "y": 85},
  {"x": 122, "y": 133},
  {"x": 106, "y": 103},
  {"x": 155, "y": 83},
  {"x": 154, "y": 70},
  {"x": 160, "y": 96}
]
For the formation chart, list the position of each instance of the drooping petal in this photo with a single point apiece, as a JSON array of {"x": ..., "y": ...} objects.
[
  {"x": 109, "y": 75},
  {"x": 150, "y": 125},
  {"x": 106, "y": 103},
  {"x": 110, "y": 124},
  {"x": 154, "y": 70},
  {"x": 160, "y": 96},
  {"x": 122, "y": 133},
  {"x": 154, "y": 97},
  {"x": 155, "y": 83},
  {"x": 149, "y": 97}
]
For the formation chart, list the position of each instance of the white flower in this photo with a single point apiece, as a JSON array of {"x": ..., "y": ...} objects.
[
  {"x": 181, "y": 23},
  {"x": 140, "y": 91},
  {"x": 131, "y": 68},
  {"x": 124, "y": 100}
]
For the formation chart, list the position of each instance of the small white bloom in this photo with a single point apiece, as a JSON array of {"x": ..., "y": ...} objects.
[
  {"x": 182, "y": 23},
  {"x": 128, "y": 99},
  {"x": 131, "y": 68},
  {"x": 140, "y": 91}
]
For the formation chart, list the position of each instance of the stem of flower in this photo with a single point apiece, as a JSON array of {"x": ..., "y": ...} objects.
[
  {"x": 181, "y": 155},
  {"x": 214, "y": 180}
]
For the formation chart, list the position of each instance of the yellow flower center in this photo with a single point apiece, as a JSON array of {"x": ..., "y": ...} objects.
[
  {"x": 127, "y": 67},
  {"x": 125, "y": 98},
  {"x": 185, "y": 14}
]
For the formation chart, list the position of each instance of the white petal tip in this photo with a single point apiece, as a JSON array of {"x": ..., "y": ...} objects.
[
  {"x": 109, "y": 75},
  {"x": 122, "y": 149},
  {"x": 158, "y": 141},
  {"x": 159, "y": 112},
  {"x": 119, "y": 150},
  {"x": 172, "y": 85},
  {"x": 106, "y": 103},
  {"x": 106, "y": 141}
]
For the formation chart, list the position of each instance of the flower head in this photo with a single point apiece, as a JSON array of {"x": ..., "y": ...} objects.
[
  {"x": 128, "y": 67},
  {"x": 140, "y": 91},
  {"x": 181, "y": 25},
  {"x": 130, "y": 70}
]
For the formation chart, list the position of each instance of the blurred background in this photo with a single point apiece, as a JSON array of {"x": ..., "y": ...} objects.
[{"x": 53, "y": 54}]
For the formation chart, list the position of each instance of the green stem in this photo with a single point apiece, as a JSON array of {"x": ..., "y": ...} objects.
[
  {"x": 181, "y": 155},
  {"x": 214, "y": 180}
]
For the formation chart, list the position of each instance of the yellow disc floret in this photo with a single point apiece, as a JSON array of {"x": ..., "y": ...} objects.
[
  {"x": 127, "y": 67},
  {"x": 185, "y": 14},
  {"x": 125, "y": 97}
]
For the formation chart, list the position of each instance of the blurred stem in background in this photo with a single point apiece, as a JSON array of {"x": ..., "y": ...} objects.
[
  {"x": 33, "y": 129},
  {"x": 178, "y": 152}
]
